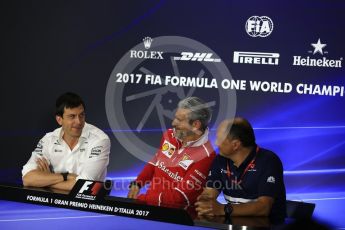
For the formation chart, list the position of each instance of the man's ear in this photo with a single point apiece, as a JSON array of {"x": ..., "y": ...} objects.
[
  {"x": 196, "y": 125},
  {"x": 236, "y": 144},
  {"x": 58, "y": 119}
]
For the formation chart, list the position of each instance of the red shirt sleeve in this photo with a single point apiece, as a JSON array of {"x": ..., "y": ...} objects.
[{"x": 145, "y": 176}]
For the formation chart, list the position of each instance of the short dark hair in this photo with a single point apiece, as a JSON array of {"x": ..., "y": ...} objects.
[
  {"x": 199, "y": 111},
  {"x": 243, "y": 131},
  {"x": 67, "y": 100}
]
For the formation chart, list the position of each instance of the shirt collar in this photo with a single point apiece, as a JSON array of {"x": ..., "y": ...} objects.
[
  {"x": 246, "y": 161},
  {"x": 84, "y": 133},
  {"x": 251, "y": 156},
  {"x": 200, "y": 141}
]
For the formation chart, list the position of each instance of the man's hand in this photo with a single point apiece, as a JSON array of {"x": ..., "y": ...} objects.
[
  {"x": 71, "y": 176},
  {"x": 133, "y": 192},
  {"x": 43, "y": 177},
  {"x": 43, "y": 165},
  {"x": 66, "y": 185},
  {"x": 207, "y": 204}
]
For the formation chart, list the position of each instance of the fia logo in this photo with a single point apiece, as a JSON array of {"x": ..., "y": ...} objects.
[{"x": 259, "y": 26}]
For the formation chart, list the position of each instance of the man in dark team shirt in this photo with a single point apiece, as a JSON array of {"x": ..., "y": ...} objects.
[{"x": 250, "y": 177}]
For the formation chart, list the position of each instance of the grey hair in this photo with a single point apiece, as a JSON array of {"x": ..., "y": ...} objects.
[{"x": 199, "y": 110}]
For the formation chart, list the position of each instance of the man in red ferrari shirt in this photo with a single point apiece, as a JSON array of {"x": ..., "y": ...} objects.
[{"x": 178, "y": 171}]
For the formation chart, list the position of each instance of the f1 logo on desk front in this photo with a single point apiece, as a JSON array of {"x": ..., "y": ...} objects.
[
  {"x": 89, "y": 190},
  {"x": 94, "y": 189}
]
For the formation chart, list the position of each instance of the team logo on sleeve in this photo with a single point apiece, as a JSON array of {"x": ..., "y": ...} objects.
[
  {"x": 39, "y": 148},
  {"x": 95, "y": 151},
  {"x": 57, "y": 142},
  {"x": 271, "y": 179},
  {"x": 168, "y": 149},
  {"x": 185, "y": 162}
]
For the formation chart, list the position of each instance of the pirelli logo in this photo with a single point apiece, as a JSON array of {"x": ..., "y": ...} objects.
[{"x": 258, "y": 58}]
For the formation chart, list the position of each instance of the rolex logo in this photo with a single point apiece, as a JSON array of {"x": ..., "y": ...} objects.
[
  {"x": 147, "y": 42},
  {"x": 146, "y": 54}
]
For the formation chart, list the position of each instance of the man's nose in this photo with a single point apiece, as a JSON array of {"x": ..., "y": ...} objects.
[{"x": 78, "y": 120}]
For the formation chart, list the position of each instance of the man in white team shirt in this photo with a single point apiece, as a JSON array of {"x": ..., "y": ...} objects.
[{"x": 76, "y": 150}]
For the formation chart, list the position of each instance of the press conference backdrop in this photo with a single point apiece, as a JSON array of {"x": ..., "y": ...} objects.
[{"x": 277, "y": 63}]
